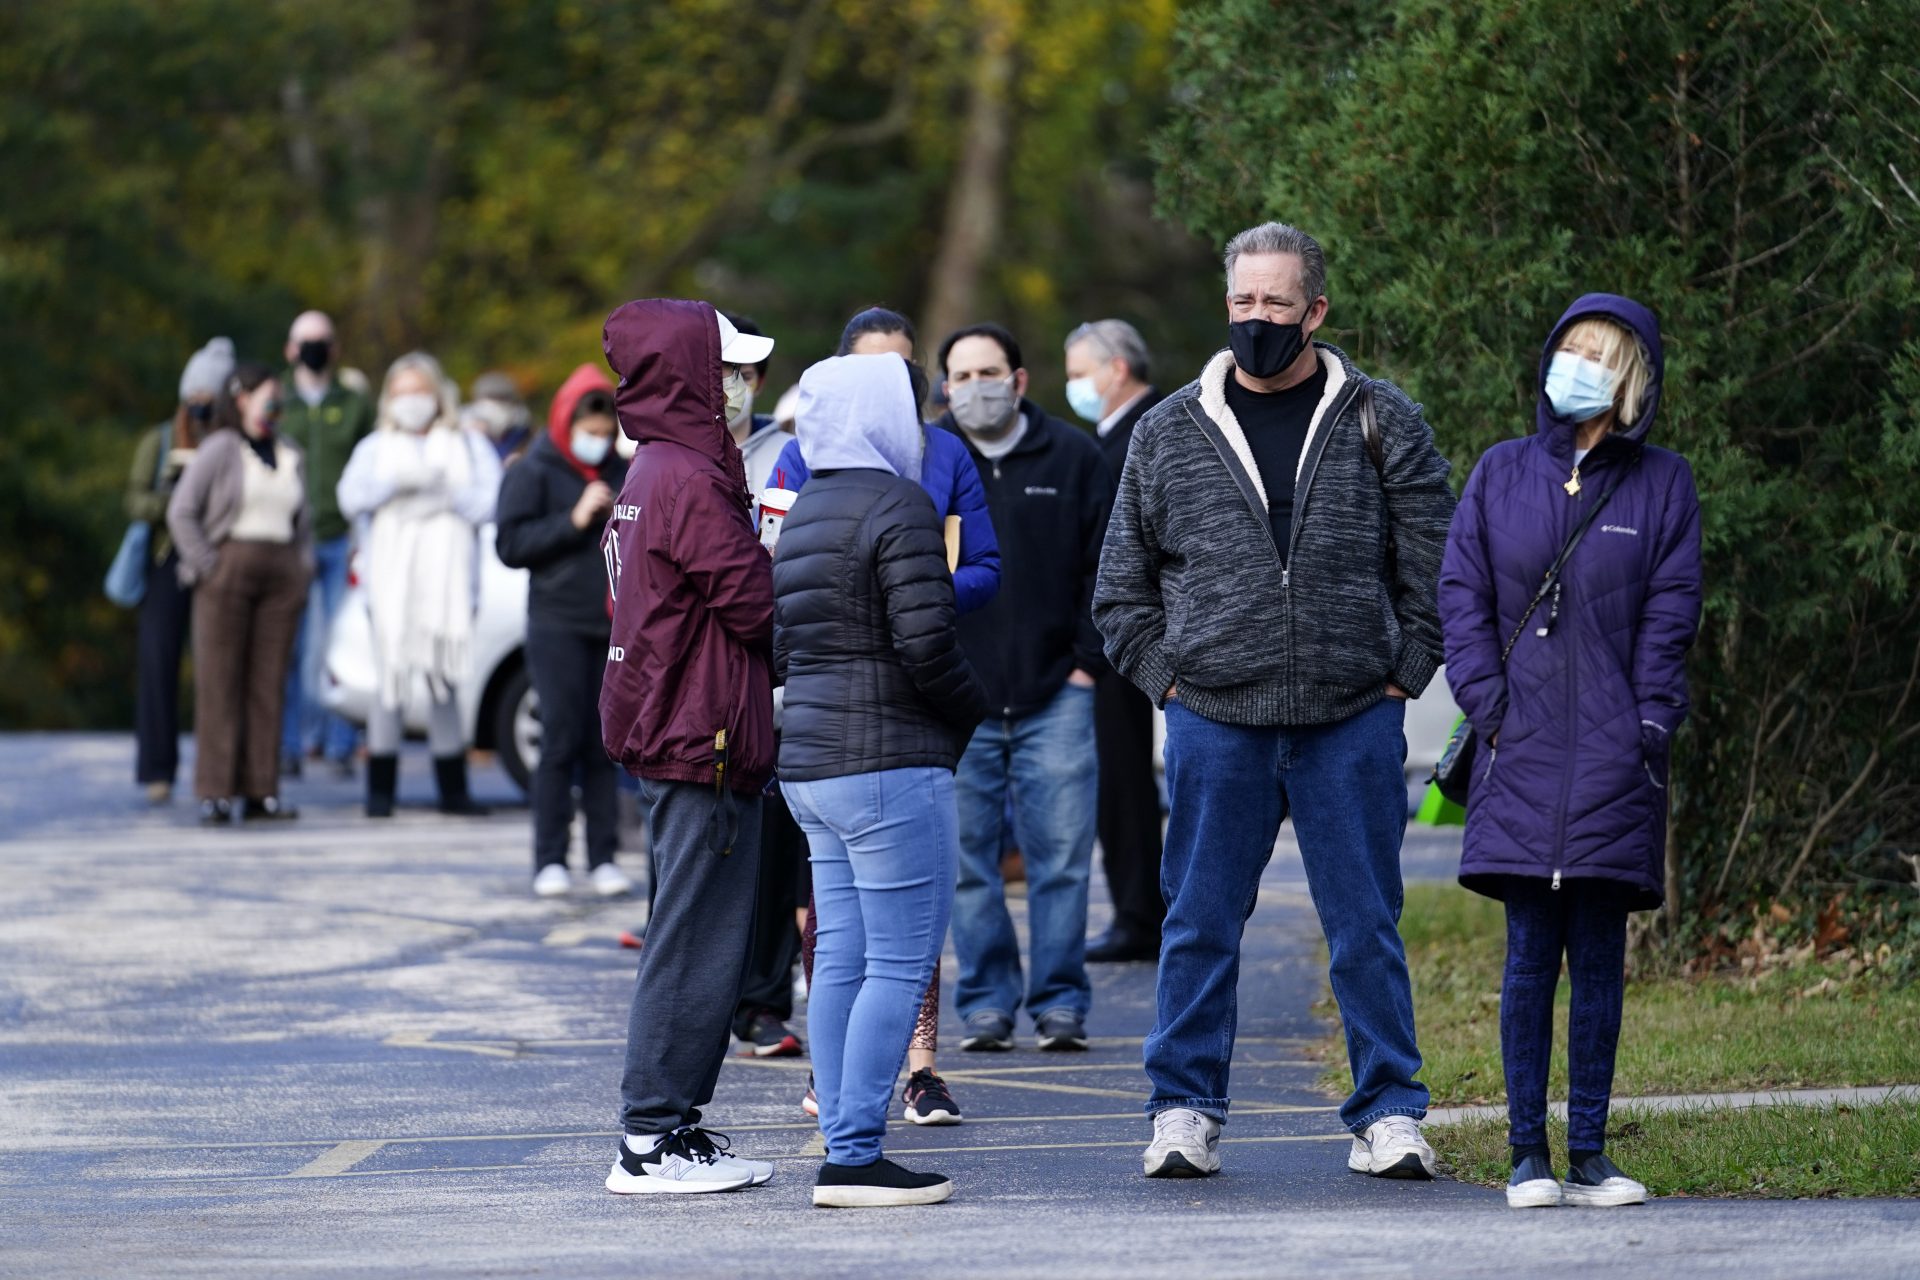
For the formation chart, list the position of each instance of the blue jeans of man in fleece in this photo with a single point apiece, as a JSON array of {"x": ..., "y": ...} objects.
[
  {"x": 1231, "y": 786},
  {"x": 306, "y": 724},
  {"x": 882, "y": 846},
  {"x": 1045, "y": 763}
]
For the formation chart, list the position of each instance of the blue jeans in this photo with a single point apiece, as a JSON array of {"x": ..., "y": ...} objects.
[
  {"x": 1044, "y": 763},
  {"x": 307, "y": 725},
  {"x": 882, "y": 847},
  {"x": 1586, "y": 920},
  {"x": 1231, "y": 786}
]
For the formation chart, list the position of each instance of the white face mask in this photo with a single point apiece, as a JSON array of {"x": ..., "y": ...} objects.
[
  {"x": 589, "y": 448},
  {"x": 739, "y": 399},
  {"x": 414, "y": 411}
]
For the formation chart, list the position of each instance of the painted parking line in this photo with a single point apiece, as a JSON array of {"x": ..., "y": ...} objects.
[
  {"x": 983, "y": 1148},
  {"x": 337, "y": 1160}
]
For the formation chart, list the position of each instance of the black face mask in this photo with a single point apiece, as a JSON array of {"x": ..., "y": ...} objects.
[
  {"x": 201, "y": 413},
  {"x": 1262, "y": 349},
  {"x": 315, "y": 354}
]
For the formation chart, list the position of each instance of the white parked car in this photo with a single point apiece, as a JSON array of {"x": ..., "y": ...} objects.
[{"x": 497, "y": 704}]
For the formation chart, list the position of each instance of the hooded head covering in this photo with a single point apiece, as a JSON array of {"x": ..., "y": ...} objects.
[
  {"x": 1558, "y": 432},
  {"x": 207, "y": 371},
  {"x": 560, "y": 414},
  {"x": 859, "y": 412},
  {"x": 666, "y": 354}
]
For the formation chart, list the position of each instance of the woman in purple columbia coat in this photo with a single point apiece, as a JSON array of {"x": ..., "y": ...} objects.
[{"x": 1566, "y": 815}]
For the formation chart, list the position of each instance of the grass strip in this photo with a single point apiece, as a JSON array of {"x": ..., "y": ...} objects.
[
  {"x": 1802, "y": 1027},
  {"x": 1757, "y": 1152}
]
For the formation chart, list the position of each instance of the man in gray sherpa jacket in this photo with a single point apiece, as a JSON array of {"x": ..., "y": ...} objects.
[{"x": 1269, "y": 578}]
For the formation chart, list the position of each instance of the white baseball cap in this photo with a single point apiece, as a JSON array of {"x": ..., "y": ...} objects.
[{"x": 741, "y": 348}]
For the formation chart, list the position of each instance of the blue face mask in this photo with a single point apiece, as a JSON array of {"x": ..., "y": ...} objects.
[
  {"x": 1084, "y": 400},
  {"x": 1579, "y": 388},
  {"x": 589, "y": 448}
]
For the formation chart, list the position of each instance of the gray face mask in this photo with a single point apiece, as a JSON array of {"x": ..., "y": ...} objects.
[{"x": 985, "y": 408}]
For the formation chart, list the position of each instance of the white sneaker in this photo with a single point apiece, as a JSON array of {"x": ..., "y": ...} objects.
[
  {"x": 677, "y": 1164},
  {"x": 554, "y": 881},
  {"x": 1393, "y": 1148},
  {"x": 609, "y": 881},
  {"x": 1185, "y": 1144}
]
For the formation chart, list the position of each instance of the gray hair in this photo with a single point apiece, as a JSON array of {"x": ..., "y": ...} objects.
[
  {"x": 1278, "y": 237},
  {"x": 1116, "y": 338}
]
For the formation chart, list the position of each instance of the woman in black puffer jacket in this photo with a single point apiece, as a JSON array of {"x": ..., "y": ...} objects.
[{"x": 879, "y": 705}]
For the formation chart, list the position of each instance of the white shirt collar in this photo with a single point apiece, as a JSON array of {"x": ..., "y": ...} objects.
[{"x": 1112, "y": 420}]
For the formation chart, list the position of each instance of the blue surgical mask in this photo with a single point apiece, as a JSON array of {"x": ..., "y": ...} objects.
[
  {"x": 1579, "y": 388},
  {"x": 591, "y": 449},
  {"x": 1085, "y": 400}
]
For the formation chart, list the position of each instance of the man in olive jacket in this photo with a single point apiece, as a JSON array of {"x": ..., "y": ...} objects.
[
  {"x": 325, "y": 418},
  {"x": 1269, "y": 577}
]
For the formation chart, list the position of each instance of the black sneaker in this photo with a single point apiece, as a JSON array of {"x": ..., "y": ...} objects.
[
  {"x": 1060, "y": 1031},
  {"x": 1533, "y": 1185},
  {"x": 881, "y": 1184},
  {"x": 927, "y": 1099},
  {"x": 268, "y": 809},
  {"x": 215, "y": 813},
  {"x": 988, "y": 1032},
  {"x": 1597, "y": 1183},
  {"x": 768, "y": 1037}
]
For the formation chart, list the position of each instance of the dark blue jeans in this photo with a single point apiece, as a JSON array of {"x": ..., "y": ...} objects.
[
  {"x": 1588, "y": 923},
  {"x": 1231, "y": 786},
  {"x": 1044, "y": 764}
]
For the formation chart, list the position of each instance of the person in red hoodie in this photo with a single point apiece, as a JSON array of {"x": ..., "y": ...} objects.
[
  {"x": 687, "y": 708},
  {"x": 551, "y": 514}
]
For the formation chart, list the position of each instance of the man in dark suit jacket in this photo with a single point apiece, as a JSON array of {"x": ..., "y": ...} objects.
[{"x": 1107, "y": 371}]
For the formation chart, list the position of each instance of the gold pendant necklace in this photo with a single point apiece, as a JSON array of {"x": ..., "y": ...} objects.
[{"x": 1572, "y": 486}]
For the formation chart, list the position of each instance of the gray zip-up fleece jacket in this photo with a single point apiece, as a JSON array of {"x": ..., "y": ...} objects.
[{"x": 1192, "y": 588}]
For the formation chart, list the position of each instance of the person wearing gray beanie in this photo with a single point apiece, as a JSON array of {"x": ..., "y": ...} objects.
[
  {"x": 166, "y": 606},
  {"x": 207, "y": 372}
]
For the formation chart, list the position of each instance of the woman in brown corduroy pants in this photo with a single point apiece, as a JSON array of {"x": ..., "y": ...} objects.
[{"x": 239, "y": 522}]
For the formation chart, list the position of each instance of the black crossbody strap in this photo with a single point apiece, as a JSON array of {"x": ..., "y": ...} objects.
[{"x": 1566, "y": 554}]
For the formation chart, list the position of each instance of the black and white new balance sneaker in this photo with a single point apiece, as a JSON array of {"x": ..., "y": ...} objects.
[
  {"x": 1060, "y": 1031},
  {"x": 987, "y": 1032},
  {"x": 880, "y": 1185},
  {"x": 927, "y": 1099},
  {"x": 685, "y": 1162}
]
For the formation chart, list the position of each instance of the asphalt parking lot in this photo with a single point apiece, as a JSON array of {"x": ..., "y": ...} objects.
[{"x": 341, "y": 1048}]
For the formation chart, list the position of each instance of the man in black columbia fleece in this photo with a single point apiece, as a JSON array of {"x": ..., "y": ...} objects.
[
  {"x": 1036, "y": 650},
  {"x": 1269, "y": 577}
]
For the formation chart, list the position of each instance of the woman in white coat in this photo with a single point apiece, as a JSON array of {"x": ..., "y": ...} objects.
[{"x": 418, "y": 489}]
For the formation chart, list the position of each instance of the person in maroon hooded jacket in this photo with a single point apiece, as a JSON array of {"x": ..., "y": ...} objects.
[{"x": 687, "y": 708}]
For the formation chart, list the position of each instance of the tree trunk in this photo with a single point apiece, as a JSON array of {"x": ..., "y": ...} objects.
[{"x": 976, "y": 198}]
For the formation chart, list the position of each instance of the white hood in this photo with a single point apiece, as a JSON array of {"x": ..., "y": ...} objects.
[{"x": 858, "y": 412}]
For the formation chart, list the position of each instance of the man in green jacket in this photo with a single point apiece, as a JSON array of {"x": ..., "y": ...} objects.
[{"x": 326, "y": 419}]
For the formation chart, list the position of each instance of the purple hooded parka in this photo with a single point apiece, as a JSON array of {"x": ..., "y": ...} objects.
[{"x": 1576, "y": 787}]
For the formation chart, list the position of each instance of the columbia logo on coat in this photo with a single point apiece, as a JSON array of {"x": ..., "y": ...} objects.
[{"x": 1620, "y": 528}]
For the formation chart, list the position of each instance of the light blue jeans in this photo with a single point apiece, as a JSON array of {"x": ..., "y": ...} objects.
[
  {"x": 1044, "y": 763},
  {"x": 306, "y": 724},
  {"x": 883, "y": 847}
]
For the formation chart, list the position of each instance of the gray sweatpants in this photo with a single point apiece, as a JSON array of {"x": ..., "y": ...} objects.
[{"x": 694, "y": 961}]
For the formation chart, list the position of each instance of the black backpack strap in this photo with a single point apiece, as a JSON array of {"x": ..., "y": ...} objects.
[
  {"x": 1376, "y": 447},
  {"x": 1559, "y": 564}
]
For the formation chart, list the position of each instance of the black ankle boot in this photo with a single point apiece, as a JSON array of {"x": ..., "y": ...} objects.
[
  {"x": 451, "y": 773},
  {"x": 383, "y": 779}
]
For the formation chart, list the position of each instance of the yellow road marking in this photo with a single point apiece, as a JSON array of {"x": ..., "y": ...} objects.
[
  {"x": 796, "y": 1155},
  {"x": 336, "y": 1161}
]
